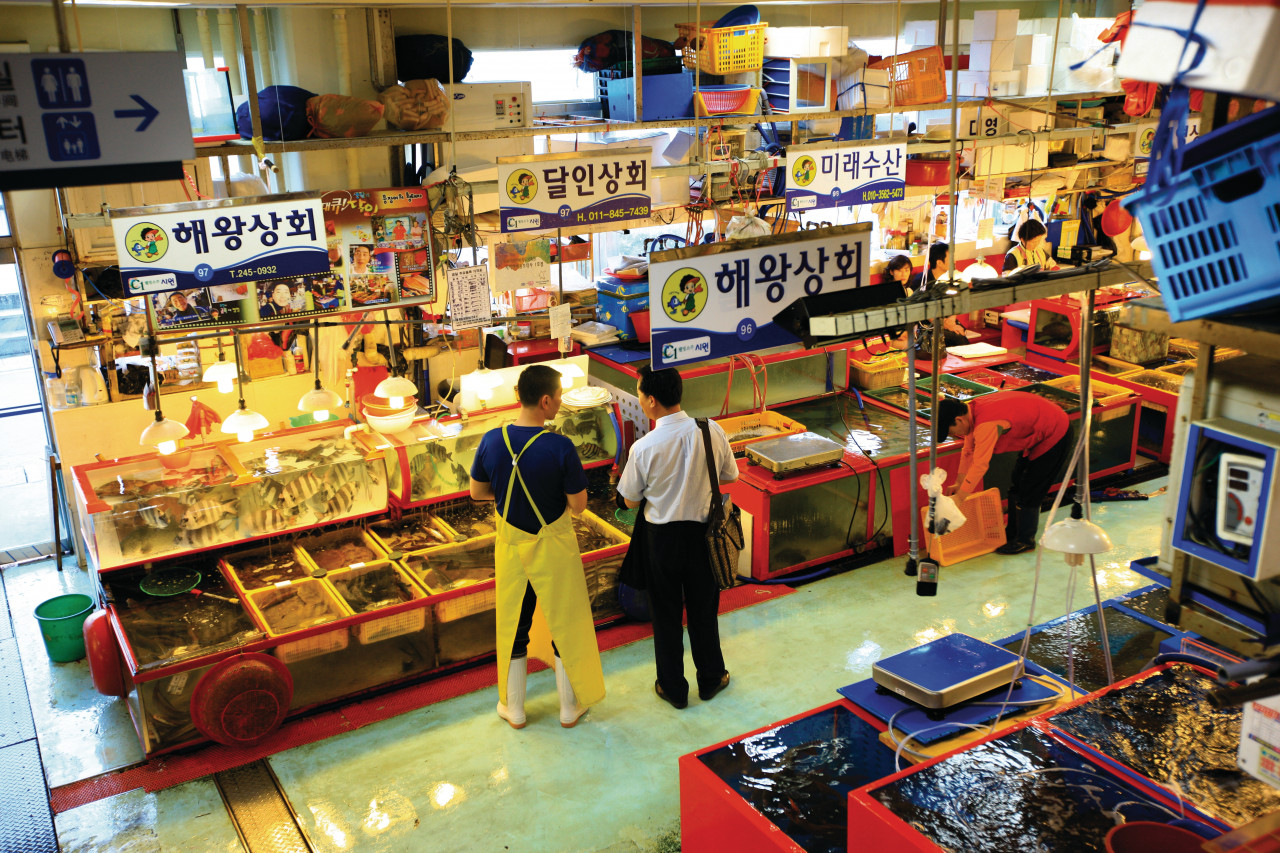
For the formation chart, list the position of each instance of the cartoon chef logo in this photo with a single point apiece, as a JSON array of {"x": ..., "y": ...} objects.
[
  {"x": 146, "y": 242},
  {"x": 806, "y": 169},
  {"x": 1146, "y": 138},
  {"x": 684, "y": 294},
  {"x": 522, "y": 186}
]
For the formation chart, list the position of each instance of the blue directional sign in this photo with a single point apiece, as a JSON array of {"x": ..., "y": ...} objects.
[{"x": 92, "y": 118}]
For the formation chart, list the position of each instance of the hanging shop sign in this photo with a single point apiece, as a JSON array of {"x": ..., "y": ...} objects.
[
  {"x": 202, "y": 244},
  {"x": 574, "y": 189},
  {"x": 842, "y": 175},
  {"x": 69, "y": 120},
  {"x": 363, "y": 248},
  {"x": 717, "y": 300}
]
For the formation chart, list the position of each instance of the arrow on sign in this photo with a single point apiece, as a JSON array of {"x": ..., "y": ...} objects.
[{"x": 147, "y": 113}]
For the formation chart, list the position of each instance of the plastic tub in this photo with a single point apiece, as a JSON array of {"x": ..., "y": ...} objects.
[{"x": 62, "y": 626}]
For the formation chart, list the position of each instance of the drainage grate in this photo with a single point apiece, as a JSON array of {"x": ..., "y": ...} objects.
[{"x": 262, "y": 816}]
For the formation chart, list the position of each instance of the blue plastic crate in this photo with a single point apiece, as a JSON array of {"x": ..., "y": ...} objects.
[{"x": 1214, "y": 228}]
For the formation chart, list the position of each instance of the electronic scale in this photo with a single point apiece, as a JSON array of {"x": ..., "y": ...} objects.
[
  {"x": 791, "y": 453},
  {"x": 946, "y": 671}
]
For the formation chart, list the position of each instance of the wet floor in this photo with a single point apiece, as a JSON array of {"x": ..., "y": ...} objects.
[{"x": 455, "y": 771}]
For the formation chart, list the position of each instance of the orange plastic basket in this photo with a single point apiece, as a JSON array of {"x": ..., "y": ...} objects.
[
  {"x": 982, "y": 532},
  {"x": 746, "y": 429},
  {"x": 917, "y": 77},
  {"x": 723, "y": 50},
  {"x": 733, "y": 101}
]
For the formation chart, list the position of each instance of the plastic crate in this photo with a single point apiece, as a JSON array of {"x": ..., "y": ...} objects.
[
  {"x": 973, "y": 388},
  {"x": 306, "y": 546},
  {"x": 599, "y": 525},
  {"x": 916, "y": 77},
  {"x": 982, "y": 532},
  {"x": 723, "y": 50},
  {"x": 1114, "y": 366},
  {"x": 758, "y": 427},
  {"x": 1213, "y": 227},
  {"x": 308, "y": 647},
  {"x": 321, "y": 644},
  {"x": 467, "y": 605},
  {"x": 879, "y": 373},
  {"x": 729, "y": 100},
  {"x": 405, "y": 622}
]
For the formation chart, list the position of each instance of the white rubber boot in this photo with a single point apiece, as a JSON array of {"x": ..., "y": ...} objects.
[
  {"x": 570, "y": 711},
  {"x": 513, "y": 711}
]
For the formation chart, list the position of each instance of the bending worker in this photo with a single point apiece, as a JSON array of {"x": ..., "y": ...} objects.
[{"x": 1005, "y": 422}]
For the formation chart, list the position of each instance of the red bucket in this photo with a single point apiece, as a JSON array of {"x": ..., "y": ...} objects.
[{"x": 1150, "y": 837}]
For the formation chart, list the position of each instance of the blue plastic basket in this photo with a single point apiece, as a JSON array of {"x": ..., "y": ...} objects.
[{"x": 1214, "y": 227}]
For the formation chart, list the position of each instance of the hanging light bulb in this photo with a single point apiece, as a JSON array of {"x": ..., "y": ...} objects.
[
  {"x": 223, "y": 373},
  {"x": 164, "y": 434},
  {"x": 319, "y": 400},
  {"x": 1074, "y": 537},
  {"x": 243, "y": 422}
]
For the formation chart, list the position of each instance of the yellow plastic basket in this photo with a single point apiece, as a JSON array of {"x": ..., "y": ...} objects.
[
  {"x": 982, "y": 532},
  {"x": 405, "y": 622},
  {"x": 723, "y": 50},
  {"x": 1103, "y": 392},
  {"x": 747, "y": 429},
  {"x": 467, "y": 605},
  {"x": 608, "y": 531},
  {"x": 883, "y": 372},
  {"x": 308, "y": 647}
]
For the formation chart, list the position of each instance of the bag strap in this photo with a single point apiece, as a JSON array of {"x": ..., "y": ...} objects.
[{"x": 717, "y": 500}]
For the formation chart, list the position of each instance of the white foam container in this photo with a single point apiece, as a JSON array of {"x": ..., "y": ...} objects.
[
  {"x": 996, "y": 25},
  {"x": 1240, "y": 53},
  {"x": 991, "y": 55},
  {"x": 806, "y": 41}
]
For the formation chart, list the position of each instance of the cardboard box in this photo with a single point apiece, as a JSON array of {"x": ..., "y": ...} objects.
[
  {"x": 806, "y": 41},
  {"x": 998, "y": 25},
  {"x": 991, "y": 55}
]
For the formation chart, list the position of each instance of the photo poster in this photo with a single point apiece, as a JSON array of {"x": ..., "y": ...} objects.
[
  {"x": 220, "y": 305},
  {"x": 379, "y": 244},
  {"x": 520, "y": 263}
]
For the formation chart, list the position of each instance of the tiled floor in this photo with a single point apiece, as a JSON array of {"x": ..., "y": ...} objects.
[{"x": 454, "y": 777}]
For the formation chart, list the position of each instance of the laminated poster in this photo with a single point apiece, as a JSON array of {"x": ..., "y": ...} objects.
[
  {"x": 379, "y": 245},
  {"x": 520, "y": 264},
  {"x": 470, "y": 304}
]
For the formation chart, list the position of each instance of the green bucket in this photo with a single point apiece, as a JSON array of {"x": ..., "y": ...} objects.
[{"x": 62, "y": 626}]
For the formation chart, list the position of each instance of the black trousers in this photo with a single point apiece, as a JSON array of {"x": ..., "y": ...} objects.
[
  {"x": 520, "y": 645},
  {"x": 1029, "y": 485},
  {"x": 680, "y": 579}
]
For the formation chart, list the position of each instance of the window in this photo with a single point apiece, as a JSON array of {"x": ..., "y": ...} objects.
[{"x": 551, "y": 71}]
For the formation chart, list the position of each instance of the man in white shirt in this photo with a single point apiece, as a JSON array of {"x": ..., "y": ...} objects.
[{"x": 667, "y": 469}]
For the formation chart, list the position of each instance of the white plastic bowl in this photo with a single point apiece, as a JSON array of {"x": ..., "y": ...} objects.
[{"x": 393, "y": 424}]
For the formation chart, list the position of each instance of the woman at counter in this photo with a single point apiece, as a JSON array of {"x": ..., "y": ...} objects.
[
  {"x": 1031, "y": 248},
  {"x": 899, "y": 269}
]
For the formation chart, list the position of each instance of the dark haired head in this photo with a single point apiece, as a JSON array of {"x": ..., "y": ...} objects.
[
  {"x": 1030, "y": 230},
  {"x": 146, "y": 231},
  {"x": 948, "y": 411},
  {"x": 938, "y": 254},
  {"x": 896, "y": 263},
  {"x": 537, "y": 381},
  {"x": 664, "y": 385}
]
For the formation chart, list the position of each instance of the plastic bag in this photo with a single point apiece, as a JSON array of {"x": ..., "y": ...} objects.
[
  {"x": 417, "y": 105},
  {"x": 423, "y": 57},
  {"x": 947, "y": 516},
  {"x": 284, "y": 114},
  {"x": 332, "y": 116},
  {"x": 745, "y": 227}
]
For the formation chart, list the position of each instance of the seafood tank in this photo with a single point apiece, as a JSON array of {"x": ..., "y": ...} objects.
[
  {"x": 868, "y": 431},
  {"x": 432, "y": 459},
  {"x": 799, "y": 774},
  {"x": 150, "y": 507},
  {"x": 827, "y": 518},
  {"x": 1024, "y": 372}
]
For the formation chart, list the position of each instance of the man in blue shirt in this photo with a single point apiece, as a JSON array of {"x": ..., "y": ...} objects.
[{"x": 535, "y": 476}]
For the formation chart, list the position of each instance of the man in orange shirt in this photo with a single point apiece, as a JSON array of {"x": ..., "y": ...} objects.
[{"x": 1005, "y": 422}]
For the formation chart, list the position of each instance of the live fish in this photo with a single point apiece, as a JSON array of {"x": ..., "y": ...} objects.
[
  {"x": 301, "y": 489},
  {"x": 202, "y": 514},
  {"x": 154, "y": 516}
]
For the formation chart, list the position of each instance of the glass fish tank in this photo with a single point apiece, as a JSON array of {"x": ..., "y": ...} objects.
[
  {"x": 822, "y": 519},
  {"x": 149, "y": 507},
  {"x": 339, "y": 549},
  {"x": 601, "y": 491},
  {"x": 258, "y": 568},
  {"x": 432, "y": 459},
  {"x": 1159, "y": 379},
  {"x": 865, "y": 430}
]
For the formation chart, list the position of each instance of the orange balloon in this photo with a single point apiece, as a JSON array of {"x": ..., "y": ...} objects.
[{"x": 1115, "y": 219}]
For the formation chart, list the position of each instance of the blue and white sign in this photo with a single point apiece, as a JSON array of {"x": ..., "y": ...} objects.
[
  {"x": 91, "y": 118},
  {"x": 221, "y": 241},
  {"x": 842, "y": 175},
  {"x": 539, "y": 192},
  {"x": 717, "y": 300}
]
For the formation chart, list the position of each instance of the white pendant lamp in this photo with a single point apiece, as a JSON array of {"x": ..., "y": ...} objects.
[
  {"x": 164, "y": 433},
  {"x": 243, "y": 422},
  {"x": 396, "y": 389},
  {"x": 568, "y": 372},
  {"x": 1074, "y": 537},
  {"x": 319, "y": 401}
]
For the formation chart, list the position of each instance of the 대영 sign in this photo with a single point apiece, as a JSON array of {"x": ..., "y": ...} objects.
[
  {"x": 718, "y": 300},
  {"x": 83, "y": 119},
  {"x": 574, "y": 189},
  {"x": 842, "y": 175},
  {"x": 219, "y": 242}
]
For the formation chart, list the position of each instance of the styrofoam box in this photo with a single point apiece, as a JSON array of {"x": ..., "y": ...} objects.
[
  {"x": 871, "y": 82},
  {"x": 1031, "y": 50},
  {"x": 1005, "y": 84},
  {"x": 1035, "y": 79},
  {"x": 1119, "y": 146},
  {"x": 995, "y": 25},
  {"x": 1085, "y": 32},
  {"x": 806, "y": 41},
  {"x": 991, "y": 55},
  {"x": 972, "y": 84},
  {"x": 925, "y": 33},
  {"x": 1240, "y": 52}
]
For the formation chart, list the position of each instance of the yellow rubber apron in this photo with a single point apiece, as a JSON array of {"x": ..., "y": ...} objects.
[{"x": 550, "y": 561}]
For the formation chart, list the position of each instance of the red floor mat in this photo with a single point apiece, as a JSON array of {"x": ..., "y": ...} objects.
[{"x": 169, "y": 770}]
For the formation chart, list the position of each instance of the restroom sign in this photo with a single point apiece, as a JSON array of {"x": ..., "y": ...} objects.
[{"x": 92, "y": 118}]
